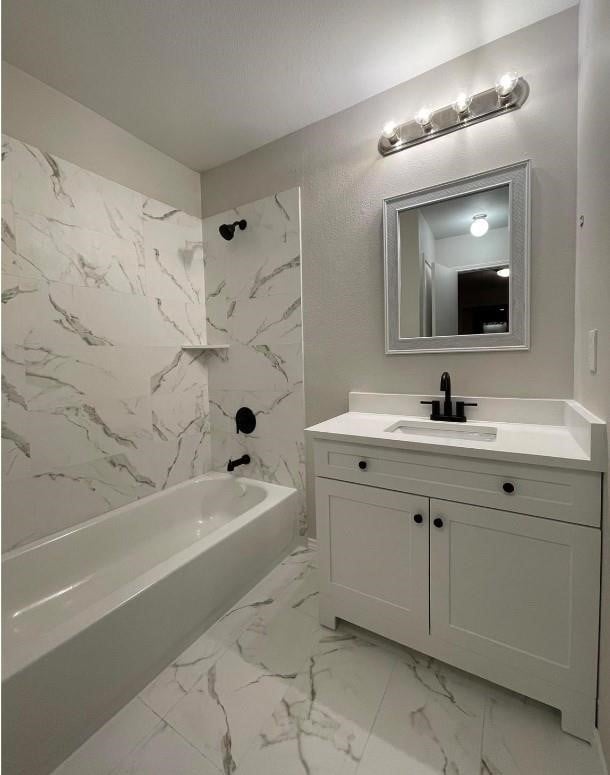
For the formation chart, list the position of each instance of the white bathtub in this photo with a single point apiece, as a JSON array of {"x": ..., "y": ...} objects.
[{"x": 93, "y": 613}]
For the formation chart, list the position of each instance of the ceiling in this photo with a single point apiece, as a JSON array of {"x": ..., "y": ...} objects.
[
  {"x": 454, "y": 216},
  {"x": 205, "y": 81}
]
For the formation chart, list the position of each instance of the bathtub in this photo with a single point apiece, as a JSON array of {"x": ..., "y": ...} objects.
[{"x": 90, "y": 615}]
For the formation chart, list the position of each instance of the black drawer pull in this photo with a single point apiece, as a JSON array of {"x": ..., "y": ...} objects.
[
  {"x": 362, "y": 465},
  {"x": 418, "y": 518},
  {"x": 508, "y": 487},
  {"x": 438, "y": 522}
]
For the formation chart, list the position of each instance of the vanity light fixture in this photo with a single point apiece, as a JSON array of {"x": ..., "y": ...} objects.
[
  {"x": 462, "y": 105},
  {"x": 423, "y": 117},
  {"x": 505, "y": 86},
  {"x": 480, "y": 225},
  {"x": 390, "y": 132},
  {"x": 504, "y": 272},
  {"x": 509, "y": 93}
]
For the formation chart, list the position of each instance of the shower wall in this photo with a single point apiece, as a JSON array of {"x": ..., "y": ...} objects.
[
  {"x": 100, "y": 288},
  {"x": 254, "y": 304}
]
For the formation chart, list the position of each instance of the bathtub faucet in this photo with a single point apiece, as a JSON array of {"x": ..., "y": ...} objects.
[{"x": 241, "y": 461}]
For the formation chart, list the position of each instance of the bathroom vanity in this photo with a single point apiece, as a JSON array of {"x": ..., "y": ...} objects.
[{"x": 476, "y": 543}]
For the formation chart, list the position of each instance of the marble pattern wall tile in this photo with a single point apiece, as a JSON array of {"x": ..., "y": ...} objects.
[
  {"x": 100, "y": 288},
  {"x": 253, "y": 303}
]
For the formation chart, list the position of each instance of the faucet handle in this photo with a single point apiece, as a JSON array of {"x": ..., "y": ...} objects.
[
  {"x": 436, "y": 408},
  {"x": 459, "y": 407}
]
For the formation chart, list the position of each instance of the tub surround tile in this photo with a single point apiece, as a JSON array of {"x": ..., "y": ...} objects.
[
  {"x": 279, "y": 414},
  {"x": 273, "y": 366},
  {"x": 19, "y": 295},
  {"x": 56, "y": 377},
  {"x": 78, "y": 432},
  {"x": 177, "y": 322},
  {"x": 172, "y": 418},
  {"x": 87, "y": 490},
  {"x": 174, "y": 253},
  {"x": 61, "y": 252},
  {"x": 63, "y": 192},
  {"x": 262, "y": 319},
  {"x": 16, "y": 447},
  {"x": 100, "y": 289},
  {"x": 254, "y": 305}
]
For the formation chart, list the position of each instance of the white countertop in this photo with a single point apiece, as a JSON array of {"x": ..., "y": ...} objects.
[{"x": 571, "y": 445}]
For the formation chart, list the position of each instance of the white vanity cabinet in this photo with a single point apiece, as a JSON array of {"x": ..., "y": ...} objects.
[{"x": 490, "y": 566}]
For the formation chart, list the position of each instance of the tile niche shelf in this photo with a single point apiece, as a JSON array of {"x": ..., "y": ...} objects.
[{"x": 205, "y": 346}]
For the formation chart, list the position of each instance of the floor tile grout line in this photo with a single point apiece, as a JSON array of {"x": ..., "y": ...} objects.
[
  {"x": 486, "y": 703},
  {"x": 227, "y": 646},
  {"x": 194, "y": 747},
  {"x": 97, "y": 732},
  {"x": 374, "y": 721},
  {"x": 167, "y": 724}
]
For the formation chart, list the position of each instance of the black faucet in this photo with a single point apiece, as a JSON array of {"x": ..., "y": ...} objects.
[
  {"x": 446, "y": 386},
  {"x": 241, "y": 461},
  {"x": 447, "y": 413}
]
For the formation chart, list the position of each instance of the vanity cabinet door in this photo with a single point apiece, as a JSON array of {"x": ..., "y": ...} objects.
[
  {"x": 522, "y": 592},
  {"x": 373, "y": 547}
]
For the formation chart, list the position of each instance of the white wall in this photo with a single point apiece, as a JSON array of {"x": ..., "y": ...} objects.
[
  {"x": 39, "y": 115},
  {"x": 464, "y": 249},
  {"x": 344, "y": 180},
  {"x": 593, "y": 269}
]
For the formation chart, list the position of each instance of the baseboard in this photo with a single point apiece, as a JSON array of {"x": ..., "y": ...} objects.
[
  {"x": 597, "y": 743},
  {"x": 312, "y": 543}
]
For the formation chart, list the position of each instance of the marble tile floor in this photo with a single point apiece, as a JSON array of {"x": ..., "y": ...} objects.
[{"x": 267, "y": 691}]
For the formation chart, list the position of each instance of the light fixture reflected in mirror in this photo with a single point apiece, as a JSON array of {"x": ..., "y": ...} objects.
[
  {"x": 479, "y": 226},
  {"x": 504, "y": 272}
]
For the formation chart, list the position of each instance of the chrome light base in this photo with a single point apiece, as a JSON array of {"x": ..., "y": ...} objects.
[{"x": 486, "y": 104}]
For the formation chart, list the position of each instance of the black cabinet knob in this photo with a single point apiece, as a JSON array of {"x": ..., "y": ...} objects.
[
  {"x": 362, "y": 465},
  {"x": 508, "y": 487},
  {"x": 418, "y": 518},
  {"x": 438, "y": 522}
]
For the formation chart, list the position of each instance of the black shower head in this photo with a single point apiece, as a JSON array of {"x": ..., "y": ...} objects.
[{"x": 227, "y": 230}]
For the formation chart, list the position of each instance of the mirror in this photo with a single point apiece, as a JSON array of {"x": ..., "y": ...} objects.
[{"x": 457, "y": 264}]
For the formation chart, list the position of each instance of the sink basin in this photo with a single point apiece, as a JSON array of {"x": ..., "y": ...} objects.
[{"x": 447, "y": 430}]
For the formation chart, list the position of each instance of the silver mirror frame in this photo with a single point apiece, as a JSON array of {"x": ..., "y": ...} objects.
[{"x": 517, "y": 176}]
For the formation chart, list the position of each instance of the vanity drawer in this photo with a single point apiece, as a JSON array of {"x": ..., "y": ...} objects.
[{"x": 555, "y": 493}]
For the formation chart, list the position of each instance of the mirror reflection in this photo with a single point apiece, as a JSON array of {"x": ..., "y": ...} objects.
[{"x": 455, "y": 266}]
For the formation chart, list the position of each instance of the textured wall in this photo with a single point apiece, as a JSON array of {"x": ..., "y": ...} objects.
[
  {"x": 254, "y": 303},
  {"x": 100, "y": 287},
  {"x": 40, "y": 115},
  {"x": 593, "y": 269},
  {"x": 344, "y": 180}
]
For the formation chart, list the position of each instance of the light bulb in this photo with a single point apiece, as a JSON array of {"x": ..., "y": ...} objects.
[
  {"x": 504, "y": 272},
  {"x": 462, "y": 103},
  {"x": 506, "y": 83},
  {"x": 390, "y": 132},
  {"x": 422, "y": 117},
  {"x": 479, "y": 225}
]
